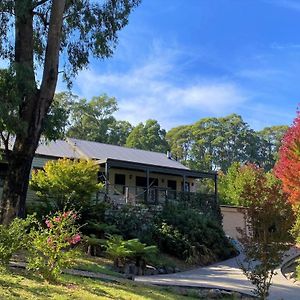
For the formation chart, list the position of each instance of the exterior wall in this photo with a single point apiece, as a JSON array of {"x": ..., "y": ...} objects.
[
  {"x": 130, "y": 176},
  {"x": 130, "y": 193},
  {"x": 233, "y": 218}
]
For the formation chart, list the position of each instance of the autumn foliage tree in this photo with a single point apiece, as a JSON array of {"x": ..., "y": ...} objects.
[
  {"x": 288, "y": 165},
  {"x": 269, "y": 219}
]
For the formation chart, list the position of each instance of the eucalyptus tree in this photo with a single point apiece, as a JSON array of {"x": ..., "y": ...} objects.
[
  {"x": 271, "y": 138},
  {"x": 149, "y": 136},
  {"x": 36, "y": 36},
  {"x": 90, "y": 120}
]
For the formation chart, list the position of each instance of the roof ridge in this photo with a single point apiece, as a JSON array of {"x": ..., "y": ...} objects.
[{"x": 112, "y": 145}]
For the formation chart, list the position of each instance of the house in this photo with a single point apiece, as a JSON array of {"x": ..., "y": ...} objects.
[{"x": 130, "y": 175}]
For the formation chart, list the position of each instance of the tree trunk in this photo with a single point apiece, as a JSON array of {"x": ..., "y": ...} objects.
[
  {"x": 16, "y": 183},
  {"x": 35, "y": 103}
]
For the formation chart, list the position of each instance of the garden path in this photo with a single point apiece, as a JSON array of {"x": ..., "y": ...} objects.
[{"x": 228, "y": 276}]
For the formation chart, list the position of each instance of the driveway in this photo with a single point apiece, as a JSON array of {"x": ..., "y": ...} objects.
[{"x": 227, "y": 275}]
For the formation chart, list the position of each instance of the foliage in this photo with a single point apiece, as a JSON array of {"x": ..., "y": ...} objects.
[
  {"x": 232, "y": 184},
  {"x": 271, "y": 138},
  {"x": 288, "y": 165},
  {"x": 13, "y": 237},
  {"x": 216, "y": 143},
  {"x": 38, "y": 35},
  {"x": 121, "y": 251},
  {"x": 91, "y": 31},
  {"x": 50, "y": 248},
  {"x": 117, "y": 250},
  {"x": 93, "y": 120},
  {"x": 132, "y": 222},
  {"x": 66, "y": 183},
  {"x": 269, "y": 219},
  {"x": 57, "y": 118},
  {"x": 148, "y": 136},
  {"x": 181, "y": 140},
  {"x": 187, "y": 234},
  {"x": 176, "y": 229}
]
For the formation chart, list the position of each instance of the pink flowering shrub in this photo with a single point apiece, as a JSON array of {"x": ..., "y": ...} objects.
[{"x": 52, "y": 246}]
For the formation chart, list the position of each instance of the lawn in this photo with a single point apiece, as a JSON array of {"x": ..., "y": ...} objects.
[{"x": 20, "y": 284}]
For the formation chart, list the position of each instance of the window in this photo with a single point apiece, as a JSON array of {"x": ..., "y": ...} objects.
[
  {"x": 119, "y": 179},
  {"x": 142, "y": 181},
  {"x": 172, "y": 185}
]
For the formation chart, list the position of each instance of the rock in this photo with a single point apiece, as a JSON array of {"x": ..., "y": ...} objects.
[
  {"x": 161, "y": 271},
  {"x": 214, "y": 293},
  {"x": 226, "y": 293},
  {"x": 237, "y": 295},
  {"x": 169, "y": 270},
  {"x": 129, "y": 269},
  {"x": 151, "y": 270},
  {"x": 176, "y": 270}
]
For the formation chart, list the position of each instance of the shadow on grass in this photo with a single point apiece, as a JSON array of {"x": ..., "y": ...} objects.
[{"x": 21, "y": 284}]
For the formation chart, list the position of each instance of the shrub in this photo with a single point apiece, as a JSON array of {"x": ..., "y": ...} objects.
[
  {"x": 66, "y": 183},
  {"x": 133, "y": 222},
  {"x": 187, "y": 234},
  {"x": 176, "y": 229},
  {"x": 51, "y": 247},
  {"x": 13, "y": 237},
  {"x": 269, "y": 219},
  {"x": 116, "y": 249},
  {"x": 122, "y": 251}
]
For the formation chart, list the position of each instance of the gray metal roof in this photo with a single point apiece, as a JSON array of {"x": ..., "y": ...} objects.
[
  {"x": 57, "y": 149},
  {"x": 101, "y": 151}
]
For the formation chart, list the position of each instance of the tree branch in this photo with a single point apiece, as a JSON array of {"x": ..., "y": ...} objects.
[
  {"x": 38, "y": 3},
  {"x": 43, "y": 17}
]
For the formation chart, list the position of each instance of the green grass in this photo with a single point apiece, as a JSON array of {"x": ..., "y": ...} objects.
[
  {"x": 96, "y": 265},
  {"x": 22, "y": 285}
]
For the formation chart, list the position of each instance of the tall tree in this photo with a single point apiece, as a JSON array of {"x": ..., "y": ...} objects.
[
  {"x": 35, "y": 34},
  {"x": 288, "y": 165},
  {"x": 90, "y": 120},
  {"x": 181, "y": 140},
  {"x": 218, "y": 142},
  {"x": 148, "y": 136},
  {"x": 271, "y": 138},
  {"x": 118, "y": 132}
]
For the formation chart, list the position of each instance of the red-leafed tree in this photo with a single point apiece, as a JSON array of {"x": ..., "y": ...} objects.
[{"x": 288, "y": 166}]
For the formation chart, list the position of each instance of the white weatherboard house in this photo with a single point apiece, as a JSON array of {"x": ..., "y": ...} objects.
[{"x": 130, "y": 175}]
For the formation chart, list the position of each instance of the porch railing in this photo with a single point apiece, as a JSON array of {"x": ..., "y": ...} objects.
[{"x": 120, "y": 194}]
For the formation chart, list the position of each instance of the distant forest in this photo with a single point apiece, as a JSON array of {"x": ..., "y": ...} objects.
[{"x": 208, "y": 144}]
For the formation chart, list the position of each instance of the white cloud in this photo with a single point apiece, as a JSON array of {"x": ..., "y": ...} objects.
[{"x": 149, "y": 91}]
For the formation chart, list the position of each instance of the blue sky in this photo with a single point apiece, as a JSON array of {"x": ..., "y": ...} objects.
[{"x": 179, "y": 61}]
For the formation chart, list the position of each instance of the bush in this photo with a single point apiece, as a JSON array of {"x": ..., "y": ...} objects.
[
  {"x": 176, "y": 229},
  {"x": 51, "y": 247},
  {"x": 122, "y": 251},
  {"x": 133, "y": 222},
  {"x": 13, "y": 237},
  {"x": 187, "y": 234},
  {"x": 66, "y": 183}
]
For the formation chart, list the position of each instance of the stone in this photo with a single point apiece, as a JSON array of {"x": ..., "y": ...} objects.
[
  {"x": 169, "y": 270},
  {"x": 151, "y": 270},
  {"x": 129, "y": 269}
]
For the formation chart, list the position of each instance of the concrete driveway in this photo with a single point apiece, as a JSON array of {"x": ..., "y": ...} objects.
[{"x": 227, "y": 275}]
